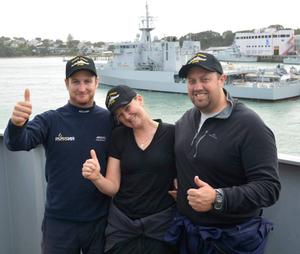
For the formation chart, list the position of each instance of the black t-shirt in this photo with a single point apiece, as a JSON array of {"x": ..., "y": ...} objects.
[{"x": 146, "y": 175}]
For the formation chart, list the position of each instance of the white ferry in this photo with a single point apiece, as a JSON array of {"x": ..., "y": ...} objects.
[{"x": 266, "y": 42}]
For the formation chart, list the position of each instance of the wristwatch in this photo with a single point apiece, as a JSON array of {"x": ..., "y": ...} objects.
[{"x": 218, "y": 203}]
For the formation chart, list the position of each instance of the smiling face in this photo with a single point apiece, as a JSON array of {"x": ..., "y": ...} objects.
[
  {"x": 205, "y": 90},
  {"x": 132, "y": 115},
  {"x": 82, "y": 86}
]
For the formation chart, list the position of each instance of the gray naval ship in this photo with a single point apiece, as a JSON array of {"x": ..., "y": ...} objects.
[{"x": 153, "y": 65}]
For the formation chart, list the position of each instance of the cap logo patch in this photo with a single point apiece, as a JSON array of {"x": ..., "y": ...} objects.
[
  {"x": 198, "y": 58},
  {"x": 80, "y": 62},
  {"x": 112, "y": 98}
]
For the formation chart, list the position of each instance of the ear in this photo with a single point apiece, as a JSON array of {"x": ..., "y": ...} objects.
[
  {"x": 97, "y": 82},
  {"x": 140, "y": 99},
  {"x": 67, "y": 83},
  {"x": 222, "y": 80}
]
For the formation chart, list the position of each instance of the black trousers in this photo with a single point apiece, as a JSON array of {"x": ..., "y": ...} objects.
[
  {"x": 142, "y": 245},
  {"x": 67, "y": 237}
]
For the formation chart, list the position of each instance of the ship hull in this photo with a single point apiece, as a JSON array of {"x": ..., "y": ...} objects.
[
  {"x": 162, "y": 81},
  {"x": 291, "y": 60}
]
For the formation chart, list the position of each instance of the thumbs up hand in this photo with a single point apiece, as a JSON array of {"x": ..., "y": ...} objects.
[
  {"x": 202, "y": 198},
  {"x": 91, "y": 167},
  {"x": 27, "y": 95},
  {"x": 22, "y": 110}
]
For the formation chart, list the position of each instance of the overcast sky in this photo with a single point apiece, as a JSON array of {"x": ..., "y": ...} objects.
[{"x": 118, "y": 20}]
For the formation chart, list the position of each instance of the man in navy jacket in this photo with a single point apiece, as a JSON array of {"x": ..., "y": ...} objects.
[{"x": 75, "y": 211}]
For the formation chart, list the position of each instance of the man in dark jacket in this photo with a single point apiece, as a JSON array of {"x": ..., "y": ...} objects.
[
  {"x": 227, "y": 166},
  {"x": 75, "y": 211}
]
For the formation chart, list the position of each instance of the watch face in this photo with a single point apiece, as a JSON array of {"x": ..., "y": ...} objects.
[{"x": 218, "y": 205}]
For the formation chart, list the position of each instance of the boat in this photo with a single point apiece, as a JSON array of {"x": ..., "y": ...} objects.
[
  {"x": 154, "y": 65},
  {"x": 263, "y": 83},
  {"x": 146, "y": 64},
  {"x": 231, "y": 54}
]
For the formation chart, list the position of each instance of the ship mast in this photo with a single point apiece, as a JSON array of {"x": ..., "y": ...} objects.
[{"x": 146, "y": 26}]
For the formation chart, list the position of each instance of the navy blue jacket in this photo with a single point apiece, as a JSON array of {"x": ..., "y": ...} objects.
[{"x": 67, "y": 135}]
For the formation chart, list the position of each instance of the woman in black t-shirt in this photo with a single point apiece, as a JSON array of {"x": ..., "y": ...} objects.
[{"x": 140, "y": 173}]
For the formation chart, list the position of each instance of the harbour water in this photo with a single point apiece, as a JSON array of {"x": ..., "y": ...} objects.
[{"x": 45, "y": 79}]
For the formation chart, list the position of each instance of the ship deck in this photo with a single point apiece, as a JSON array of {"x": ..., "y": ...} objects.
[{"x": 22, "y": 196}]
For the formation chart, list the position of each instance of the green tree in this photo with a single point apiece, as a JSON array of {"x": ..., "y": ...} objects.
[
  {"x": 228, "y": 38},
  {"x": 297, "y": 31},
  {"x": 69, "y": 40},
  {"x": 46, "y": 43},
  {"x": 277, "y": 27},
  {"x": 99, "y": 44}
]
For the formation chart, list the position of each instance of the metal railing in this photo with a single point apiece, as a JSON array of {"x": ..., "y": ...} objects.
[{"x": 22, "y": 196}]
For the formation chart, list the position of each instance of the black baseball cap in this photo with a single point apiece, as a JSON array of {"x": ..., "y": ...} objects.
[
  {"x": 119, "y": 96},
  {"x": 79, "y": 63},
  {"x": 203, "y": 60}
]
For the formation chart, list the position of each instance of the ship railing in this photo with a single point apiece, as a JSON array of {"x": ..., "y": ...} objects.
[
  {"x": 266, "y": 84},
  {"x": 233, "y": 70},
  {"x": 23, "y": 187}
]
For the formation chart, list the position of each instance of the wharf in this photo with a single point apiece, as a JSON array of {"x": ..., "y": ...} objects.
[{"x": 270, "y": 59}]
